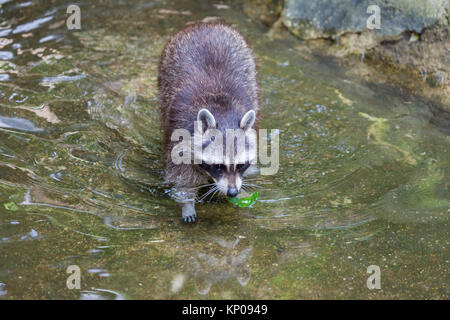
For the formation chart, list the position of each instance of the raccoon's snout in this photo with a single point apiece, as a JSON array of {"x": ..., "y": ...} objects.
[
  {"x": 232, "y": 192},
  {"x": 229, "y": 189}
]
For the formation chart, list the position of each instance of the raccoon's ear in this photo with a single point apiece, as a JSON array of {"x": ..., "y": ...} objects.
[
  {"x": 248, "y": 120},
  {"x": 205, "y": 120}
]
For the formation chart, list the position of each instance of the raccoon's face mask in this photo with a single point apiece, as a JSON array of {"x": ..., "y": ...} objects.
[{"x": 227, "y": 173}]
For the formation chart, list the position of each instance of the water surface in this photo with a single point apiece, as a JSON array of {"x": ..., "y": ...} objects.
[{"x": 363, "y": 176}]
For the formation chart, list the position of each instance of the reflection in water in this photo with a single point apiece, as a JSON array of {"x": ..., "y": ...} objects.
[
  {"x": 27, "y": 27},
  {"x": 6, "y": 55},
  {"x": 100, "y": 294},
  {"x": 225, "y": 261},
  {"x": 362, "y": 180},
  {"x": 57, "y": 79},
  {"x": 3, "y": 290},
  {"x": 18, "y": 124}
]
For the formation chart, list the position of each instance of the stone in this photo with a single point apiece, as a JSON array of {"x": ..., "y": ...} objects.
[{"x": 329, "y": 19}]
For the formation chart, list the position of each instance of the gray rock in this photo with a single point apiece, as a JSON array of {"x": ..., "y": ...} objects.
[{"x": 331, "y": 18}]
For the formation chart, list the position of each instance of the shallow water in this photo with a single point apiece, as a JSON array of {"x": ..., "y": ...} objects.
[{"x": 363, "y": 176}]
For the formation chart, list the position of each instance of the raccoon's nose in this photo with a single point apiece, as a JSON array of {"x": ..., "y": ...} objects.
[{"x": 232, "y": 192}]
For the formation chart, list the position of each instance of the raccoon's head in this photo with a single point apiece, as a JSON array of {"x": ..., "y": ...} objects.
[{"x": 228, "y": 149}]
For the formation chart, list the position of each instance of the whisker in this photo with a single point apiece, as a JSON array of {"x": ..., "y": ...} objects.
[
  {"x": 204, "y": 185},
  {"x": 249, "y": 184},
  {"x": 252, "y": 186},
  {"x": 248, "y": 180},
  {"x": 204, "y": 196},
  {"x": 219, "y": 194},
  {"x": 207, "y": 193},
  {"x": 213, "y": 194},
  {"x": 248, "y": 188},
  {"x": 199, "y": 198}
]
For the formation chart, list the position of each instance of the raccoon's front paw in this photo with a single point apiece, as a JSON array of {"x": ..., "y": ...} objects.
[{"x": 189, "y": 214}]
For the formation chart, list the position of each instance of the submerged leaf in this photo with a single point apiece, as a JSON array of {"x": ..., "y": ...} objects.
[
  {"x": 11, "y": 206},
  {"x": 244, "y": 202}
]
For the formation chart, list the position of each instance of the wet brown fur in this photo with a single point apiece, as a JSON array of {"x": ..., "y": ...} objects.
[{"x": 204, "y": 66}]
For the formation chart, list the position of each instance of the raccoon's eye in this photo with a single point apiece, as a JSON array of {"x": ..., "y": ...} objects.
[
  {"x": 242, "y": 166},
  {"x": 205, "y": 166},
  {"x": 219, "y": 167}
]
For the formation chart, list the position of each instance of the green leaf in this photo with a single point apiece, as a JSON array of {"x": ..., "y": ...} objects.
[
  {"x": 11, "y": 206},
  {"x": 244, "y": 202}
]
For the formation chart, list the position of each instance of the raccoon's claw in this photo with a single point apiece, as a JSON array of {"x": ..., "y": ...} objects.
[
  {"x": 190, "y": 219},
  {"x": 189, "y": 214}
]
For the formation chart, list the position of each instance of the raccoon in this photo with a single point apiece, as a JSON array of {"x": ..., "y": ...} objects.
[{"x": 207, "y": 80}]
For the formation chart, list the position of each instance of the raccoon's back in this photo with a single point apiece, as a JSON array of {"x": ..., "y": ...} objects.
[{"x": 200, "y": 61}]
